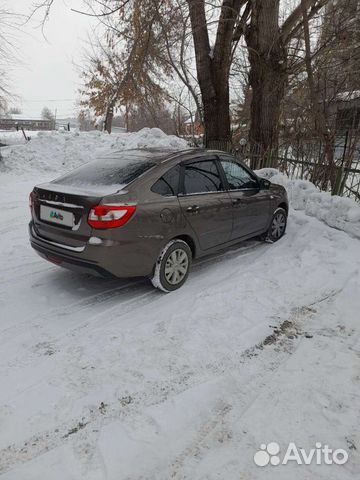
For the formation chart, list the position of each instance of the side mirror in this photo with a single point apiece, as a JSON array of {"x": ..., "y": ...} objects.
[{"x": 264, "y": 184}]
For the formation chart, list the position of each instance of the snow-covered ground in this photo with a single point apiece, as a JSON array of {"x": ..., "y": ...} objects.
[
  {"x": 13, "y": 137},
  {"x": 104, "y": 379}
]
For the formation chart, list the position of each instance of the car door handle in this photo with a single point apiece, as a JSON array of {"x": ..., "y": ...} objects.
[{"x": 193, "y": 209}]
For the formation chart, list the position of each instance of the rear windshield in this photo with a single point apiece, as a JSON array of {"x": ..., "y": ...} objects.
[{"x": 118, "y": 171}]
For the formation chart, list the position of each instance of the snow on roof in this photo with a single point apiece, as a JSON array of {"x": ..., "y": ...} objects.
[{"x": 20, "y": 116}]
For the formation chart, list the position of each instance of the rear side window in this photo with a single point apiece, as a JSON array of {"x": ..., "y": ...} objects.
[
  {"x": 119, "y": 170},
  {"x": 201, "y": 177},
  {"x": 168, "y": 184}
]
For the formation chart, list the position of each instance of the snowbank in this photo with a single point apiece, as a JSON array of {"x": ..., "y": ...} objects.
[
  {"x": 57, "y": 152},
  {"x": 12, "y": 137},
  {"x": 338, "y": 212}
]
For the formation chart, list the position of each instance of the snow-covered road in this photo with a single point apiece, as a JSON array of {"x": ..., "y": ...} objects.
[{"x": 104, "y": 379}]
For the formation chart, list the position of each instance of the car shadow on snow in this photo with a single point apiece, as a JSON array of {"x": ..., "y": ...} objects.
[{"x": 80, "y": 286}]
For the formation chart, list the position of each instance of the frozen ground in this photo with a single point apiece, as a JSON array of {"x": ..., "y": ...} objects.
[{"x": 114, "y": 380}]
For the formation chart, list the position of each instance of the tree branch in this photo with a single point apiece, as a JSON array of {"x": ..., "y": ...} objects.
[
  {"x": 240, "y": 28},
  {"x": 105, "y": 14},
  {"x": 294, "y": 22}
]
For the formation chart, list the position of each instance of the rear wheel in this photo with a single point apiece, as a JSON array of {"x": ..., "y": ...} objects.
[
  {"x": 278, "y": 225},
  {"x": 172, "y": 266}
]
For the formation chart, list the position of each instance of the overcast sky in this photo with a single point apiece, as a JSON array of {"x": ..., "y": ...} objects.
[{"x": 45, "y": 73}]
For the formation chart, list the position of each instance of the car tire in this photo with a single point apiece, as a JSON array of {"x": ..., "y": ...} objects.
[
  {"x": 277, "y": 226},
  {"x": 172, "y": 266}
]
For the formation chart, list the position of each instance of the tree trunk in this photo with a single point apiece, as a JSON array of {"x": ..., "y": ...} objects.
[
  {"x": 217, "y": 119},
  {"x": 109, "y": 115},
  {"x": 213, "y": 69},
  {"x": 321, "y": 128},
  {"x": 267, "y": 56},
  {"x": 127, "y": 117}
]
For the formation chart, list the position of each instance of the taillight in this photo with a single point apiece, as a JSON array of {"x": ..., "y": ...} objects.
[
  {"x": 110, "y": 216},
  {"x": 31, "y": 201}
]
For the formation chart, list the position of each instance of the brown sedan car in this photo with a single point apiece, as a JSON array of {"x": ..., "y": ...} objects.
[{"x": 149, "y": 212}]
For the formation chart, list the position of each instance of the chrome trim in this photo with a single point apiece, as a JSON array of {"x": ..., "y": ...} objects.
[
  {"x": 216, "y": 191},
  {"x": 55, "y": 244},
  {"x": 244, "y": 189},
  {"x": 202, "y": 193},
  {"x": 62, "y": 204},
  {"x": 117, "y": 204}
]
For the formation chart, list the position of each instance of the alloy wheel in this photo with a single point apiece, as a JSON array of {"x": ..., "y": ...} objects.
[
  {"x": 176, "y": 266},
  {"x": 278, "y": 225}
]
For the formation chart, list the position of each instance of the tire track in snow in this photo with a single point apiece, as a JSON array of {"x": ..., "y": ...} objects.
[
  {"x": 127, "y": 307},
  {"x": 88, "y": 301},
  {"x": 10, "y": 280},
  {"x": 244, "y": 397},
  {"x": 160, "y": 392},
  {"x": 131, "y": 287},
  {"x": 116, "y": 304},
  {"x": 202, "y": 441}
]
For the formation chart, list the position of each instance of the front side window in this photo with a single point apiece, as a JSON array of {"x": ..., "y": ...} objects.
[
  {"x": 202, "y": 177},
  {"x": 237, "y": 176},
  {"x": 168, "y": 184}
]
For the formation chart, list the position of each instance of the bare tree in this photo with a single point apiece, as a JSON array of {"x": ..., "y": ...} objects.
[
  {"x": 171, "y": 19},
  {"x": 178, "y": 53},
  {"x": 268, "y": 43},
  {"x": 125, "y": 73},
  {"x": 46, "y": 114},
  {"x": 213, "y": 63},
  {"x": 216, "y": 31},
  {"x": 322, "y": 91},
  {"x": 7, "y": 55}
]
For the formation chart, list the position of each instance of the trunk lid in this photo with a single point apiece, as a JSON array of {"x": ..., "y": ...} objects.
[{"x": 60, "y": 212}]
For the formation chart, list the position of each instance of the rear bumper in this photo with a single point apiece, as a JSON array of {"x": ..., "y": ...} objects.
[
  {"x": 110, "y": 259},
  {"x": 57, "y": 255}
]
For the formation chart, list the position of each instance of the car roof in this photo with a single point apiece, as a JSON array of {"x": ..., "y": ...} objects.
[{"x": 160, "y": 155}]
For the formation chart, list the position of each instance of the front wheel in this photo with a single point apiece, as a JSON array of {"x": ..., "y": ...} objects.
[
  {"x": 277, "y": 226},
  {"x": 172, "y": 266}
]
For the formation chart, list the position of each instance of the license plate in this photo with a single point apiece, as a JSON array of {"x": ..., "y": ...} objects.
[{"x": 55, "y": 215}]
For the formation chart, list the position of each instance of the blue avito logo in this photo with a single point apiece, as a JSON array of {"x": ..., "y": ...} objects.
[{"x": 57, "y": 215}]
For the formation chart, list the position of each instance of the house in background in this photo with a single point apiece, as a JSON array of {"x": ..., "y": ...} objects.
[
  {"x": 346, "y": 111},
  {"x": 19, "y": 121},
  {"x": 193, "y": 127}
]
